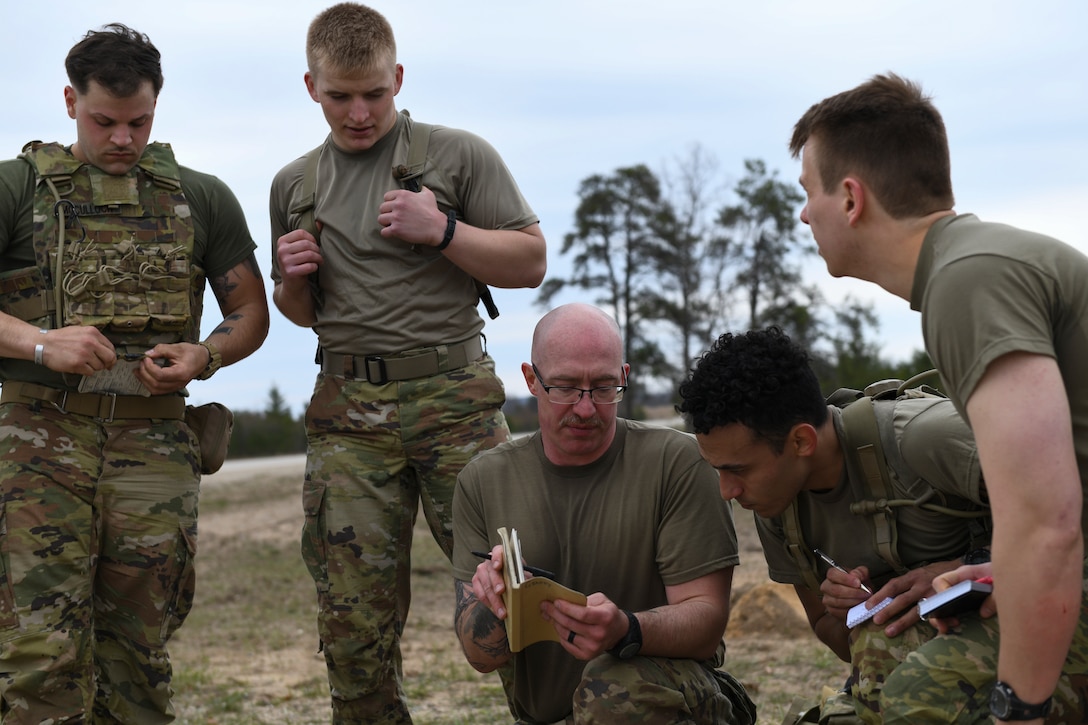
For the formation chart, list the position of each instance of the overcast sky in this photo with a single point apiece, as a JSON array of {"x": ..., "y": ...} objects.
[{"x": 567, "y": 89}]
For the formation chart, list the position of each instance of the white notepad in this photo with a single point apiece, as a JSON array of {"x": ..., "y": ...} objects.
[{"x": 859, "y": 613}]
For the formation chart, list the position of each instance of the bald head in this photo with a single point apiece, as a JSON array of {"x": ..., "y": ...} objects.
[{"x": 577, "y": 327}]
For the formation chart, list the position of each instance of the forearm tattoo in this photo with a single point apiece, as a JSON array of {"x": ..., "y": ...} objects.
[{"x": 476, "y": 624}]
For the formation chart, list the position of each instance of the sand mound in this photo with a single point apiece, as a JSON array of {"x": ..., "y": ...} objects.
[{"x": 768, "y": 609}]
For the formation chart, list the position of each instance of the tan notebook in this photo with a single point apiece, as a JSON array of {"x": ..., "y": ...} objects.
[{"x": 522, "y": 598}]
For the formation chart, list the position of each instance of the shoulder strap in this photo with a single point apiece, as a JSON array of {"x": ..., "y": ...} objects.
[
  {"x": 795, "y": 545},
  {"x": 410, "y": 175},
  {"x": 863, "y": 446},
  {"x": 308, "y": 195},
  {"x": 304, "y": 207}
]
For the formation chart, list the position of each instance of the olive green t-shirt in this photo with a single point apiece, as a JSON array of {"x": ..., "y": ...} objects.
[
  {"x": 644, "y": 516},
  {"x": 382, "y": 295},
  {"x": 986, "y": 290}
]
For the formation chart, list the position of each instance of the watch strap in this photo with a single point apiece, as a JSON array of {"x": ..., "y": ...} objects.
[
  {"x": 215, "y": 361},
  {"x": 631, "y": 642},
  {"x": 1006, "y": 705}
]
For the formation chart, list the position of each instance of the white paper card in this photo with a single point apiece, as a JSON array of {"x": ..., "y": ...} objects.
[{"x": 859, "y": 613}]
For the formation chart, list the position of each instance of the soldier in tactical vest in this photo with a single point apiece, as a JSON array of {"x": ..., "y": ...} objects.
[
  {"x": 105, "y": 248},
  {"x": 804, "y": 469},
  {"x": 384, "y": 258}
]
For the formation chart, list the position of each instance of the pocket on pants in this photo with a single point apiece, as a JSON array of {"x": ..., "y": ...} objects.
[
  {"x": 9, "y": 616},
  {"x": 181, "y": 601},
  {"x": 314, "y": 552}
]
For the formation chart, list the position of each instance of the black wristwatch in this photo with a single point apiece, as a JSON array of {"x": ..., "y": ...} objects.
[
  {"x": 977, "y": 556},
  {"x": 630, "y": 643},
  {"x": 1005, "y": 705}
]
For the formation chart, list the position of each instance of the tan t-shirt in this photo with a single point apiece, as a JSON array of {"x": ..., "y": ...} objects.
[{"x": 382, "y": 295}]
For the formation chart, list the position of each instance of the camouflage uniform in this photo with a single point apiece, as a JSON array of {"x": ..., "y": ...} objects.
[
  {"x": 99, "y": 489},
  {"x": 950, "y": 678},
  {"x": 374, "y": 452},
  {"x": 637, "y": 691},
  {"x": 93, "y": 514}
]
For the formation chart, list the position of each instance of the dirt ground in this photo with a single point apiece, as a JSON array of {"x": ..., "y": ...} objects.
[{"x": 770, "y": 647}]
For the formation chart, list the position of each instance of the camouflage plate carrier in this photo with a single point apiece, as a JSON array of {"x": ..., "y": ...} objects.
[{"x": 113, "y": 252}]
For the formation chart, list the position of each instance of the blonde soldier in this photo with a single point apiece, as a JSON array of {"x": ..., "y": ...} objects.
[
  {"x": 104, "y": 248},
  {"x": 385, "y": 269}
]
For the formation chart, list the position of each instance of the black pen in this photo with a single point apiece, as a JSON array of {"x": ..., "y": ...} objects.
[
  {"x": 535, "y": 571},
  {"x": 831, "y": 563}
]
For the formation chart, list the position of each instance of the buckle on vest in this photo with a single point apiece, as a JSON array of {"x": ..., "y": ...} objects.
[{"x": 376, "y": 375}]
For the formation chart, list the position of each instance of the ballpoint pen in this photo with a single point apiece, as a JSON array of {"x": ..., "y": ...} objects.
[
  {"x": 831, "y": 563},
  {"x": 535, "y": 571}
]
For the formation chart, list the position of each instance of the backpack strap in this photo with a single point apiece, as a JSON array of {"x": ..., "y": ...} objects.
[
  {"x": 795, "y": 545},
  {"x": 410, "y": 176},
  {"x": 866, "y": 453},
  {"x": 305, "y": 208}
]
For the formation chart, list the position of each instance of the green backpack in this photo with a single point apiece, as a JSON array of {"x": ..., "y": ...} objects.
[
  {"x": 408, "y": 174},
  {"x": 867, "y": 454}
]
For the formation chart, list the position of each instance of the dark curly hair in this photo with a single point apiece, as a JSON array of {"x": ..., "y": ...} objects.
[{"x": 760, "y": 379}]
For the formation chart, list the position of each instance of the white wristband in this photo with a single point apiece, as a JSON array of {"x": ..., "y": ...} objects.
[{"x": 39, "y": 351}]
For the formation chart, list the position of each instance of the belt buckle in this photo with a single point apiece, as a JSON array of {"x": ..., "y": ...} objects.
[
  {"x": 59, "y": 404},
  {"x": 113, "y": 408},
  {"x": 380, "y": 362}
]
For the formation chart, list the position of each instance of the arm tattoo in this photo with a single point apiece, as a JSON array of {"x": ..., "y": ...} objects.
[
  {"x": 223, "y": 285},
  {"x": 475, "y": 623}
]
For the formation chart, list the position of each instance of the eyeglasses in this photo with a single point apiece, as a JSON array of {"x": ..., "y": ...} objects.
[{"x": 569, "y": 395}]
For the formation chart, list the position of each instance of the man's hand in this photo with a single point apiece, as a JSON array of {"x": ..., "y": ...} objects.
[
  {"x": 905, "y": 592},
  {"x": 298, "y": 255},
  {"x": 412, "y": 217},
  {"x": 955, "y": 576},
  {"x": 842, "y": 590},
  {"x": 488, "y": 584},
  {"x": 596, "y": 627},
  {"x": 169, "y": 368},
  {"x": 75, "y": 349}
]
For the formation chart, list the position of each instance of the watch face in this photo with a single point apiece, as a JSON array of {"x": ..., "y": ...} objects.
[
  {"x": 630, "y": 650},
  {"x": 999, "y": 702}
]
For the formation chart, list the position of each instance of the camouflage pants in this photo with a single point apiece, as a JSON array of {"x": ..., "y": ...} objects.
[
  {"x": 97, "y": 539},
  {"x": 873, "y": 658},
  {"x": 658, "y": 691},
  {"x": 949, "y": 679},
  {"x": 374, "y": 453}
]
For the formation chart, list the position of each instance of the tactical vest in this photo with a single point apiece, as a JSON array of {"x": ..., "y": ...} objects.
[
  {"x": 113, "y": 252},
  {"x": 875, "y": 462}
]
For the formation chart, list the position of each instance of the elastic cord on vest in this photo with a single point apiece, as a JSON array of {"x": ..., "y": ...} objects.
[{"x": 451, "y": 223}]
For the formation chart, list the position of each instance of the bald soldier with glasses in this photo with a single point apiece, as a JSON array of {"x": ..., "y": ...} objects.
[{"x": 623, "y": 511}]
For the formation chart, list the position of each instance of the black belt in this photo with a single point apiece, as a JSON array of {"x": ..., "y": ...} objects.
[
  {"x": 105, "y": 407},
  {"x": 421, "y": 363}
]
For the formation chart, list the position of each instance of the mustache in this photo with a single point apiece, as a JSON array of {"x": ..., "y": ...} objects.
[{"x": 575, "y": 419}]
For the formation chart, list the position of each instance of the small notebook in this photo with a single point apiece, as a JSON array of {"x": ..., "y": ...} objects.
[{"x": 859, "y": 613}]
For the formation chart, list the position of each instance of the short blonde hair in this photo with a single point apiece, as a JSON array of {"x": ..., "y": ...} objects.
[{"x": 350, "y": 37}]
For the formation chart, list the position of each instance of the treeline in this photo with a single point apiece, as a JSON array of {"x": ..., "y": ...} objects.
[{"x": 682, "y": 255}]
